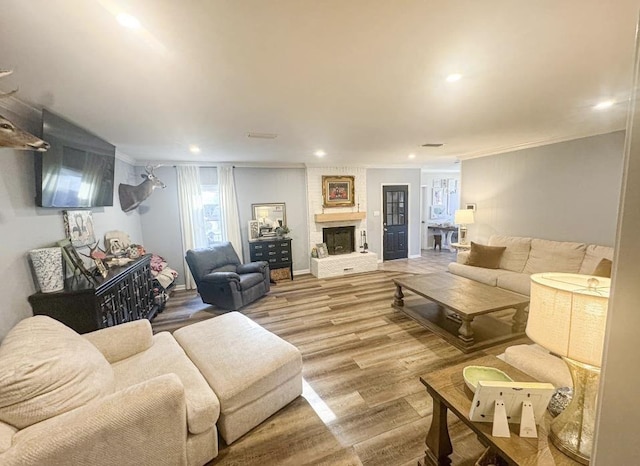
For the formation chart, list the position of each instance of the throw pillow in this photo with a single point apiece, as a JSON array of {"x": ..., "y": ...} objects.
[
  {"x": 485, "y": 256},
  {"x": 48, "y": 369},
  {"x": 603, "y": 269}
]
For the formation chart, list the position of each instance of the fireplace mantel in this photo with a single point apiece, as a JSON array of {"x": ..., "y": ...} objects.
[{"x": 340, "y": 217}]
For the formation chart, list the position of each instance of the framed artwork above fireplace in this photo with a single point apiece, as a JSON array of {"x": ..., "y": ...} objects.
[{"x": 338, "y": 191}]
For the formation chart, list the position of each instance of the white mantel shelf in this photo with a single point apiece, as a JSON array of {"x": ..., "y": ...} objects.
[{"x": 340, "y": 217}]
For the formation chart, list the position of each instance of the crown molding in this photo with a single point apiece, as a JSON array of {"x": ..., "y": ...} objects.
[{"x": 531, "y": 145}]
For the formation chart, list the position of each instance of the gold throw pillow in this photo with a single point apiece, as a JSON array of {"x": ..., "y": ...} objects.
[{"x": 603, "y": 269}]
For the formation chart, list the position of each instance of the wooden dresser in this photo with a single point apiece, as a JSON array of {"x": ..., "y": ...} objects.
[
  {"x": 277, "y": 252},
  {"x": 126, "y": 294}
]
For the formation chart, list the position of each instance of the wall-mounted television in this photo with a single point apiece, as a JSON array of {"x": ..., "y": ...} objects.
[{"x": 77, "y": 170}]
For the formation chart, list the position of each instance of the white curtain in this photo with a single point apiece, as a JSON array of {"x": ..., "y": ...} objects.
[
  {"x": 191, "y": 215},
  {"x": 229, "y": 208}
]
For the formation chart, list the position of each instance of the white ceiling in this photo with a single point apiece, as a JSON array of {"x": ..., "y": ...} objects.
[{"x": 363, "y": 80}]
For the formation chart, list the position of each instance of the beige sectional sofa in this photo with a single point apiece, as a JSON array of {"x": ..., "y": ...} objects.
[{"x": 525, "y": 256}]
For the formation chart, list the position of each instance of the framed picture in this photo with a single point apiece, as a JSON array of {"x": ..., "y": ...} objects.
[
  {"x": 436, "y": 212},
  {"x": 73, "y": 259},
  {"x": 338, "y": 191},
  {"x": 452, "y": 185},
  {"x": 322, "y": 250},
  {"x": 78, "y": 225},
  {"x": 470, "y": 207},
  {"x": 254, "y": 229},
  {"x": 513, "y": 394},
  {"x": 438, "y": 183},
  {"x": 437, "y": 197}
]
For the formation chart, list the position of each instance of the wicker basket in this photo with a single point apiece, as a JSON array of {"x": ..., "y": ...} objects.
[{"x": 280, "y": 274}]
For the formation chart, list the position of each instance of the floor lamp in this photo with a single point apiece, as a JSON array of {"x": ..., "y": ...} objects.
[
  {"x": 462, "y": 218},
  {"x": 567, "y": 316}
]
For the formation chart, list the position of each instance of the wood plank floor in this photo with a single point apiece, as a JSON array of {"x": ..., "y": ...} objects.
[{"x": 363, "y": 403}]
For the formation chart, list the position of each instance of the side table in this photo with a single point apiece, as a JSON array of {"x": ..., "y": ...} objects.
[{"x": 449, "y": 392}]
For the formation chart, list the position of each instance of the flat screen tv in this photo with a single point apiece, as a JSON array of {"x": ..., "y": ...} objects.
[{"x": 77, "y": 170}]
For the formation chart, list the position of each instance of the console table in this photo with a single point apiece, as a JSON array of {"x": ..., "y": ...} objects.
[
  {"x": 125, "y": 294},
  {"x": 449, "y": 392},
  {"x": 276, "y": 251}
]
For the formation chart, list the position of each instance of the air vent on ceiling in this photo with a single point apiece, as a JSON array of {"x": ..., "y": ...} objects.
[
  {"x": 262, "y": 135},
  {"x": 433, "y": 144}
]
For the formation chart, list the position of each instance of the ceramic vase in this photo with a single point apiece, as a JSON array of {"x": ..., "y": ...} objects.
[{"x": 47, "y": 264}]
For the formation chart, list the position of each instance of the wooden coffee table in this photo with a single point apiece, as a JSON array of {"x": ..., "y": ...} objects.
[
  {"x": 449, "y": 393},
  {"x": 457, "y": 309}
]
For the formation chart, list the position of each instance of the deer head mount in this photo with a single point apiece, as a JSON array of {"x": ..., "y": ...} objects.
[
  {"x": 13, "y": 137},
  {"x": 132, "y": 196}
]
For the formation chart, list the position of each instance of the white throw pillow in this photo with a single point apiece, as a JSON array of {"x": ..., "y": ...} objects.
[{"x": 47, "y": 369}]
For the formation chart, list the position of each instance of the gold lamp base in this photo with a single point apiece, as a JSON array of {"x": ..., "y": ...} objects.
[{"x": 572, "y": 430}]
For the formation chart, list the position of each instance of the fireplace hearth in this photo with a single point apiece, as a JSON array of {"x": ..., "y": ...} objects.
[{"x": 339, "y": 240}]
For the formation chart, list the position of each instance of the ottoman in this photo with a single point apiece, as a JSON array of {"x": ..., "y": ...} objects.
[{"x": 253, "y": 372}]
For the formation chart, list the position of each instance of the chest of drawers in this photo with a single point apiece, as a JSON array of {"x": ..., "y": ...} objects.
[{"x": 277, "y": 252}]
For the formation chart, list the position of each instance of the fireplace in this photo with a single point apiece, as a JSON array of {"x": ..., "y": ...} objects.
[{"x": 339, "y": 240}]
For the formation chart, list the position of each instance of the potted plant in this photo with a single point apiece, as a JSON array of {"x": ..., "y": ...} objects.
[{"x": 282, "y": 231}]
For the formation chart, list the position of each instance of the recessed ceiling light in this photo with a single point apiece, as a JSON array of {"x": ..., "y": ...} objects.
[
  {"x": 194, "y": 149},
  {"x": 128, "y": 21},
  {"x": 604, "y": 104},
  {"x": 319, "y": 153},
  {"x": 412, "y": 156},
  {"x": 454, "y": 77}
]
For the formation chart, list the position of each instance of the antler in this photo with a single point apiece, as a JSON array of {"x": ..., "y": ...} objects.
[
  {"x": 149, "y": 168},
  {"x": 4, "y": 73}
]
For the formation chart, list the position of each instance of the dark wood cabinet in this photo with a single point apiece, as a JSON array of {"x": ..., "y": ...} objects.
[
  {"x": 277, "y": 252},
  {"x": 125, "y": 294}
]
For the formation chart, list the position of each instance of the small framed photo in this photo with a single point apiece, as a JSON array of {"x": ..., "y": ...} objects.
[
  {"x": 322, "y": 250},
  {"x": 254, "y": 230},
  {"x": 74, "y": 260},
  {"x": 78, "y": 225},
  {"x": 338, "y": 191},
  {"x": 470, "y": 207}
]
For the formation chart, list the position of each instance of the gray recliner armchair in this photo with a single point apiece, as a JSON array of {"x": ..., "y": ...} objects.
[{"x": 223, "y": 281}]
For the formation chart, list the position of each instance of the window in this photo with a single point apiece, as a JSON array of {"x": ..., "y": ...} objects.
[{"x": 211, "y": 205}]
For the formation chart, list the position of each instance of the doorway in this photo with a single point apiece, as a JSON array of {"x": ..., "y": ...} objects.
[{"x": 395, "y": 222}]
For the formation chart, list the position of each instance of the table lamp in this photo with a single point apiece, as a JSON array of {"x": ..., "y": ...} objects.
[
  {"x": 462, "y": 218},
  {"x": 567, "y": 316}
]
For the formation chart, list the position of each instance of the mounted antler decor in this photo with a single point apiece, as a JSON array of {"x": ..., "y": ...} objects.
[
  {"x": 132, "y": 196},
  {"x": 13, "y": 137}
]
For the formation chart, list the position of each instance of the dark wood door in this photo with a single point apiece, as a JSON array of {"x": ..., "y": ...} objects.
[{"x": 395, "y": 222}]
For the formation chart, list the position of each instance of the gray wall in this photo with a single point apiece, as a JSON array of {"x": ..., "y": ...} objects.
[
  {"x": 376, "y": 178},
  {"x": 23, "y": 226},
  {"x": 160, "y": 215},
  {"x": 567, "y": 191},
  {"x": 266, "y": 185},
  {"x": 160, "y": 218}
]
